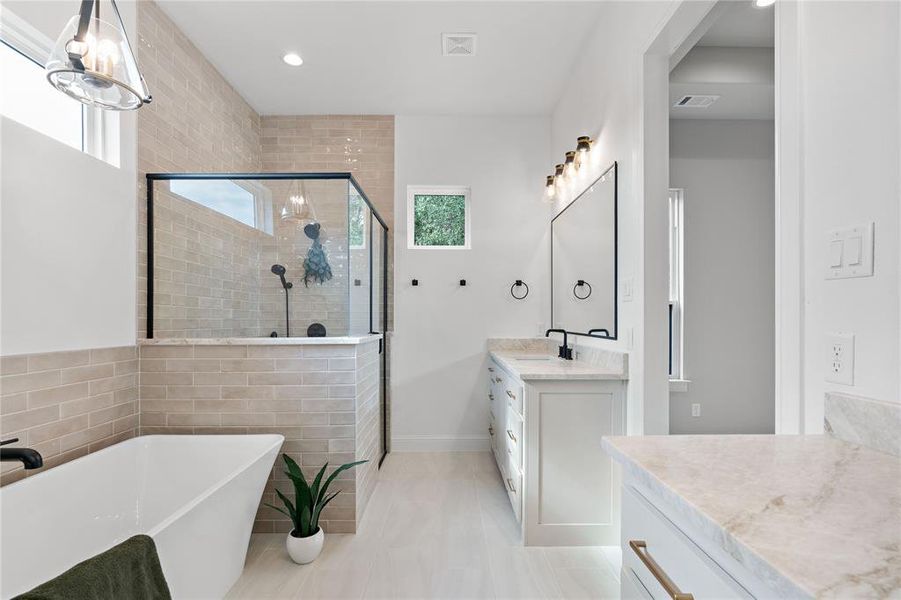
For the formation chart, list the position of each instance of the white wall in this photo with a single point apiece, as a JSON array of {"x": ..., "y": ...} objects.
[
  {"x": 603, "y": 98},
  {"x": 851, "y": 64},
  {"x": 438, "y": 352},
  {"x": 67, "y": 240},
  {"x": 727, "y": 171}
]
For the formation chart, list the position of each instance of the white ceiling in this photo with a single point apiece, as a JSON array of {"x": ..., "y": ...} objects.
[
  {"x": 742, "y": 25},
  {"x": 733, "y": 60},
  {"x": 385, "y": 57}
]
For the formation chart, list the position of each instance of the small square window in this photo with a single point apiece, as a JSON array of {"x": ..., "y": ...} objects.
[{"x": 438, "y": 217}]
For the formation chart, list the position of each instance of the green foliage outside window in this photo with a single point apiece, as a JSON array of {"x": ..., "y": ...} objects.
[
  {"x": 357, "y": 222},
  {"x": 439, "y": 220}
]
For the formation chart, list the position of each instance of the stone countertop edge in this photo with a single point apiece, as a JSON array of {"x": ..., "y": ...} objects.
[
  {"x": 778, "y": 580},
  {"x": 555, "y": 368},
  {"x": 351, "y": 340}
]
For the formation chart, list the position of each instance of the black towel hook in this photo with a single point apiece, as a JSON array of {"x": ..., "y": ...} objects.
[
  {"x": 581, "y": 283},
  {"x": 516, "y": 284}
]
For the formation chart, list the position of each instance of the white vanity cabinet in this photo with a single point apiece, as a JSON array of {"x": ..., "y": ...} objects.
[{"x": 546, "y": 434}]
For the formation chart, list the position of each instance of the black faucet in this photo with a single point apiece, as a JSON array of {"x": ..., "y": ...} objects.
[
  {"x": 31, "y": 459},
  {"x": 564, "y": 351}
]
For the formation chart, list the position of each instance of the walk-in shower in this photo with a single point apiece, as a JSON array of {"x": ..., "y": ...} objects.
[{"x": 216, "y": 240}]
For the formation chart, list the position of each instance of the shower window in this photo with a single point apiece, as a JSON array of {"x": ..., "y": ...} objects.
[{"x": 261, "y": 255}]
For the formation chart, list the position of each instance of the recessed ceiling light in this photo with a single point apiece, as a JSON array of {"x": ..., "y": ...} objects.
[
  {"x": 293, "y": 59},
  {"x": 764, "y": 3}
]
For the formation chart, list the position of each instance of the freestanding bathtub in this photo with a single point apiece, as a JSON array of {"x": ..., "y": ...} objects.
[{"x": 196, "y": 496}]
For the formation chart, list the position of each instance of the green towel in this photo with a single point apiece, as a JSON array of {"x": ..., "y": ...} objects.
[{"x": 128, "y": 571}]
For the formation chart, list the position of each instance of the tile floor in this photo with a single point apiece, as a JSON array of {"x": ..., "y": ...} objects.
[{"x": 438, "y": 526}]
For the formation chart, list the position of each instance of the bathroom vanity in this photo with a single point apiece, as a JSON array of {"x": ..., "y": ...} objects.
[
  {"x": 545, "y": 419},
  {"x": 757, "y": 516}
]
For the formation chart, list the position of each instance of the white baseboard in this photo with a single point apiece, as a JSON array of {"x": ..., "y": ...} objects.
[{"x": 429, "y": 443}]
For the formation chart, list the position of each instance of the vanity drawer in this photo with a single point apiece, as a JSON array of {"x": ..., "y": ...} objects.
[
  {"x": 513, "y": 395},
  {"x": 512, "y": 438},
  {"x": 655, "y": 550},
  {"x": 513, "y": 483}
]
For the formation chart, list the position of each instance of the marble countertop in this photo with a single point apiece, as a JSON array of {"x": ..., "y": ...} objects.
[
  {"x": 526, "y": 367},
  {"x": 809, "y": 515},
  {"x": 263, "y": 341}
]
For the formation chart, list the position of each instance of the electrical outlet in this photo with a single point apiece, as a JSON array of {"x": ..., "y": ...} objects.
[
  {"x": 840, "y": 358},
  {"x": 696, "y": 410}
]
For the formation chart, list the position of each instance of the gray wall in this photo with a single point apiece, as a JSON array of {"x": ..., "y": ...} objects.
[{"x": 727, "y": 171}]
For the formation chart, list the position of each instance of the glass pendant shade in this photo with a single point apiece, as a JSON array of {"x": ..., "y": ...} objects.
[
  {"x": 297, "y": 208},
  {"x": 92, "y": 62}
]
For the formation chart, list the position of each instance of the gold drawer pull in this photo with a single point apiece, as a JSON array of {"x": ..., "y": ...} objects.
[
  {"x": 491, "y": 396},
  {"x": 640, "y": 547},
  {"x": 490, "y": 370},
  {"x": 511, "y": 436},
  {"x": 497, "y": 380},
  {"x": 511, "y": 394},
  {"x": 510, "y": 485},
  {"x": 491, "y": 431}
]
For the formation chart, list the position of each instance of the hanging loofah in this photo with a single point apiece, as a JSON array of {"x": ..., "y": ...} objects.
[{"x": 315, "y": 265}]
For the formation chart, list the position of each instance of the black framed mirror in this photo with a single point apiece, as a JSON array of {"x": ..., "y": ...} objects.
[{"x": 584, "y": 261}]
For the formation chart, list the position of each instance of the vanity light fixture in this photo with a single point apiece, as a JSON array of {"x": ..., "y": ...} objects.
[
  {"x": 293, "y": 59},
  {"x": 583, "y": 147},
  {"x": 93, "y": 62},
  {"x": 569, "y": 165}
]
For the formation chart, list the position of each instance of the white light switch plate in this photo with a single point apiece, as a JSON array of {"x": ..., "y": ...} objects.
[
  {"x": 849, "y": 252},
  {"x": 839, "y": 359}
]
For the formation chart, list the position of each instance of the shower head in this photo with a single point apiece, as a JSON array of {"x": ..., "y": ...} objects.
[{"x": 280, "y": 271}]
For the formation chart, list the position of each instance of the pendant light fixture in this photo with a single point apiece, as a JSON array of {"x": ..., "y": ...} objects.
[
  {"x": 297, "y": 208},
  {"x": 93, "y": 62}
]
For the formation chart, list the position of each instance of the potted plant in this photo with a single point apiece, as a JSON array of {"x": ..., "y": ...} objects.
[{"x": 305, "y": 540}]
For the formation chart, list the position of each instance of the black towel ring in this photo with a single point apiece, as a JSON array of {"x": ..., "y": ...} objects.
[
  {"x": 516, "y": 284},
  {"x": 580, "y": 283}
]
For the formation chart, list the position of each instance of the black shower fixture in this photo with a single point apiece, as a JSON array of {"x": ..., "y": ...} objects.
[{"x": 280, "y": 271}]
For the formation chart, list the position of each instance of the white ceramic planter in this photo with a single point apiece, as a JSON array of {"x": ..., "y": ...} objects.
[{"x": 303, "y": 550}]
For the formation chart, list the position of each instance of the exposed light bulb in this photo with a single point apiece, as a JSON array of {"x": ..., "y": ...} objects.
[
  {"x": 570, "y": 167},
  {"x": 551, "y": 186},
  {"x": 293, "y": 59}
]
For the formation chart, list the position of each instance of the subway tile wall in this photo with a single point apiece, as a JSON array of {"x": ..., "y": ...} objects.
[
  {"x": 67, "y": 404},
  {"x": 322, "y": 398}
]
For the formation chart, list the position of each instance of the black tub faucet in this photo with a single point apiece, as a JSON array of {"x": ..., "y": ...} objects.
[
  {"x": 564, "y": 351},
  {"x": 31, "y": 459}
]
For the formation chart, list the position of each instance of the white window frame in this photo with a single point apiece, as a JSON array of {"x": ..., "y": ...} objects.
[
  {"x": 439, "y": 190},
  {"x": 99, "y": 128},
  {"x": 676, "y": 279},
  {"x": 367, "y": 225}
]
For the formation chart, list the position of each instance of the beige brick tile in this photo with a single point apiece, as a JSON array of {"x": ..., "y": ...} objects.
[
  {"x": 152, "y": 418},
  {"x": 114, "y": 439},
  {"x": 13, "y": 365},
  {"x": 167, "y": 352},
  {"x": 300, "y": 391},
  {"x": 266, "y": 418},
  {"x": 345, "y": 445},
  {"x": 274, "y": 378},
  {"x": 58, "y": 429},
  {"x": 298, "y": 419},
  {"x": 112, "y": 384},
  {"x": 328, "y": 351},
  {"x": 11, "y": 384},
  {"x": 112, "y": 413},
  {"x": 183, "y": 419},
  {"x": 57, "y": 395},
  {"x": 328, "y": 405},
  {"x": 301, "y": 364},
  {"x": 220, "y": 378},
  {"x": 275, "y": 351},
  {"x": 340, "y": 377},
  {"x": 219, "y": 405},
  {"x": 167, "y": 378},
  {"x": 126, "y": 367},
  {"x": 247, "y": 365},
  {"x": 87, "y": 373},
  {"x": 271, "y": 405},
  {"x": 147, "y": 392},
  {"x": 187, "y": 365},
  {"x": 166, "y": 406},
  {"x": 342, "y": 418},
  {"x": 120, "y": 353},
  {"x": 128, "y": 423},
  {"x": 85, "y": 437},
  {"x": 220, "y": 351},
  {"x": 152, "y": 364},
  {"x": 13, "y": 403},
  {"x": 185, "y": 392},
  {"x": 29, "y": 418},
  {"x": 246, "y": 392},
  {"x": 58, "y": 360},
  {"x": 331, "y": 432}
]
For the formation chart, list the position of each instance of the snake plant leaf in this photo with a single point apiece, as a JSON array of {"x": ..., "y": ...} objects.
[
  {"x": 335, "y": 474},
  {"x": 319, "y": 507},
  {"x": 291, "y": 512},
  {"x": 302, "y": 495},
  {"x": 306, "y": 528},
  {"x": 314, "y": 489}
]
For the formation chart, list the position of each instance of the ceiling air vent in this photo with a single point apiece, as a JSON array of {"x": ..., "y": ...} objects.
[
  {"x": 458, "y": 44},
  {"x": 695, "y": 101}
]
